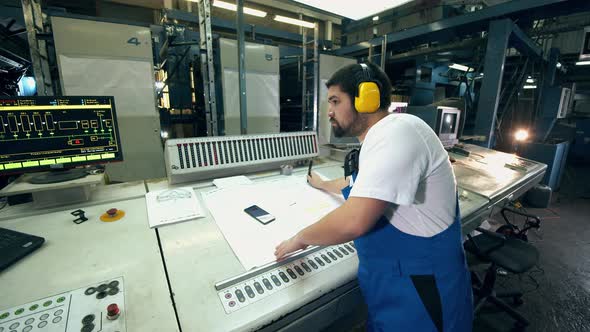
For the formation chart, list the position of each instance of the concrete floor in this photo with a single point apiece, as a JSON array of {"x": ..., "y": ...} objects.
[
  {"x": 562, "y": 300},
  {"x": 557, "y": 292}
]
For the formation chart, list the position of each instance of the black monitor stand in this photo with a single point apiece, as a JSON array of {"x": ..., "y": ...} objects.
[{"x": 58, "y": 175}]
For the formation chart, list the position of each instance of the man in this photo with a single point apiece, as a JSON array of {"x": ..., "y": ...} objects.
[{"x": 401, "y": 211}]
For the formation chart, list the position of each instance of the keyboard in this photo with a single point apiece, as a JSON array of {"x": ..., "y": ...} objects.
[{"x": 16, "y": 245}]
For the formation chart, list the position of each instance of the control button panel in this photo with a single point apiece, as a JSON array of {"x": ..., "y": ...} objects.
[
  {"x": 254, "y": 289},
  {"x": 98, "y": 307}
]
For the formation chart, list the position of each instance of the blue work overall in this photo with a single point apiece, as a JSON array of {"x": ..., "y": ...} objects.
[{"x": 413, "y": 283}]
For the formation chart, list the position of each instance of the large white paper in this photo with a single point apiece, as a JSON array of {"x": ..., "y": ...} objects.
[
  {"x": 222, "y": 183},
  {"x": 172, "y": 205},
  {"x": 293, "y": 202}
]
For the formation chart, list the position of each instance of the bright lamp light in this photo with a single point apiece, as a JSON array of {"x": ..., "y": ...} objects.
[
  {"x": 353, "y": 9},
  {"x": 293, "y": 21},
  {"x": 233, "y": 7},
  {"x": 521, "y": 135},
  {"x": 460, "y": 67}
]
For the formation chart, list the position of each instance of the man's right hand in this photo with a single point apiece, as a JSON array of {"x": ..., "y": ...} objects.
[{"x": 315, "y": 180}]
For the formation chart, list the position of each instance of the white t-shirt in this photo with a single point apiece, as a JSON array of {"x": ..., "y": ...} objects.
[{"x": 403, "y": 162}]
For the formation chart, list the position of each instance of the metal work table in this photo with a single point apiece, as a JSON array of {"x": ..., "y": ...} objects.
[
  {"x": 75, "y": 256},
  {"x": 197, "y": 257},
  {"x": 202, "y": 272},
  {"x": 496, "y": 175},
  {"x": 100, "y": 194}
]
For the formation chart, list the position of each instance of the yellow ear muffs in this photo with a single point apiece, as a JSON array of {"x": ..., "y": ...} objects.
[{"x": 368, "y": 99}]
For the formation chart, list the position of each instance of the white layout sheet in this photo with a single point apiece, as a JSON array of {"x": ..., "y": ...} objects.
[
  {"x": 222, "y": 183},
  {"x": 172, "y": 205},
  {"x": 294, "y": 204}
]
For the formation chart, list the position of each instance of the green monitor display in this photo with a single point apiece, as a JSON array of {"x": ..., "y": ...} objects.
[{"x": 44, "y": 133}]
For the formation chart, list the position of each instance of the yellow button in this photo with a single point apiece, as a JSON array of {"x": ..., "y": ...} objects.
[
  {"x": 47, "y": 162},
  {"x": 30, "y": 163},
  {"x": 93, "y": 157},
  {"x": 108, "y": 155},
  {"x": 63, "y": 160},
  {"x": 1, "y": 167},
  {"x": 82, "y": 158},
  {"x": 12, "y": 166}
]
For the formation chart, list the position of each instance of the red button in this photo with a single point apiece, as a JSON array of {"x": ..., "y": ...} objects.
[
  {"x": 228, "y": 295},
  {"x": 112, "y": 212},
  {"x": 113, "y": 309},
  {"x": 232, "y": 303}
]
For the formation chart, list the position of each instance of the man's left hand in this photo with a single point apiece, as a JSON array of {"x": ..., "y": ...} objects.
[{"x": 289, "y": 246}]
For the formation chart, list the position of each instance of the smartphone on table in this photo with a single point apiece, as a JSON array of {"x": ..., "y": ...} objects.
[{"x": 259, "y": 214}]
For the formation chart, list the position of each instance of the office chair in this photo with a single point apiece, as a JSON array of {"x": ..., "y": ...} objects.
[{"x": 506, "y": 250}]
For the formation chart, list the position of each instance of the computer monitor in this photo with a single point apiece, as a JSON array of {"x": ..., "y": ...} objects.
[
  {"x": 57, "y": 133},
  {"x": 585, "y": 52},
  {"x": 445, "y": 121}
]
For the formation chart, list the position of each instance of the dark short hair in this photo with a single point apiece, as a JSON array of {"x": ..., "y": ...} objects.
[{"x": 348, "y": 77}]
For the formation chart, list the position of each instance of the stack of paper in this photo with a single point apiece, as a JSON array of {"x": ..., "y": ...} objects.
[{"x": 172, "y": 205}]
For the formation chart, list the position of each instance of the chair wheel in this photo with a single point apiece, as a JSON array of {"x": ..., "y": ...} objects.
[{"x": 517, "y": 300}]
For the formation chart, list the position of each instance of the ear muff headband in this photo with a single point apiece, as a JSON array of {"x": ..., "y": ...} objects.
[{"x": 368, "y": 97}]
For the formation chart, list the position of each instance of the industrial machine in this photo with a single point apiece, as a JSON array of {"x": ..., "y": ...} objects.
[
  {"x": 445, "y": 121},
  {"x": 262, "y": 93},
  {"x": 295, "y": 294},
  {"x": 112, "y": 59},
  {"x": 585, "y": 50},
  {"x": 212, "y": 289}
]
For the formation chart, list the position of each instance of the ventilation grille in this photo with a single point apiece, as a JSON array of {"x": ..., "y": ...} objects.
[{"x": 206, "y": 154}]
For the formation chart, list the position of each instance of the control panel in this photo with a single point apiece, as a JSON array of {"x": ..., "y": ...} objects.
[
  {"x": 245, "y": 292},
  {"x": 198, "y": 158},
  {"x": 98, "y": 307},
  {"x": 36, "y": 133}
]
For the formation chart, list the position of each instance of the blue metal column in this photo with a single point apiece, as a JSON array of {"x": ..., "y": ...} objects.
[
  {"x": 550, "y": 99},
  {"x": 242, "y": 67},
  {"x": 489, "y": 95}
]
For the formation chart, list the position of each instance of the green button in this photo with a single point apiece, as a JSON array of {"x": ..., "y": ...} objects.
[
  {"x": 47, "y": 303},
  {"x": 19, "y": 311},
  {"x": 94, "y": 157},
  {"x": 47, "y": 162},
  {"x": 4, "y": 315},
  {"x": 34, "y": 307},
  {"x": 30, "y": 163},
  {"x": 76, "y": 159},
  {"x": 61, "y": 299},
  {"x": 107, "y": 156},
  {"x": 12, "y": 166}
]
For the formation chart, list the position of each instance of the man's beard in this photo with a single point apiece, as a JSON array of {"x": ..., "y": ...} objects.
[
  {"x": 354, "y": 129},
  {"x": 339, "y": 131}
]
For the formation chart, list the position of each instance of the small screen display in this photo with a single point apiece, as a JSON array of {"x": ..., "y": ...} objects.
[
  {"x": 255, "y": 211},
  {"x": 38, "y": 132},
  {"x": 449, "y": 123}
]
